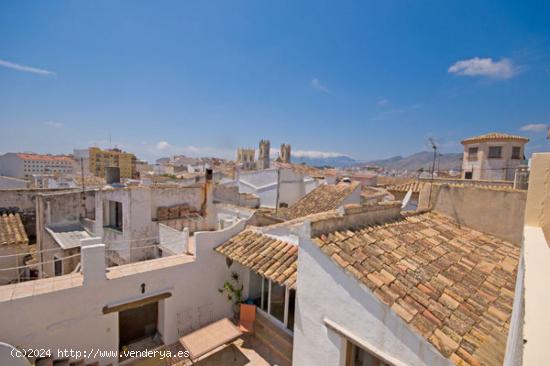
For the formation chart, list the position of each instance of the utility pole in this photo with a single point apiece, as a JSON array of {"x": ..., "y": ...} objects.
[{"x": 434, "y": 147}]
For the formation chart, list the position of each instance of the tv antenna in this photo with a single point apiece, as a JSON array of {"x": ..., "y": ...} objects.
[{"x": 434, "y": 147}]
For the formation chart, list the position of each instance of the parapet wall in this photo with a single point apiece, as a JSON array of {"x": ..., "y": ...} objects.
[
  {"x": 356, "y": 216},
  {"x": 498, "y": 212}
]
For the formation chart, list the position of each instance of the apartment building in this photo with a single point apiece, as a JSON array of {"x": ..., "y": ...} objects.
[
  {"x": 23, "y": 165},
  {"x": 493, "y": 156},
  {"x": 101, "y": 159}
]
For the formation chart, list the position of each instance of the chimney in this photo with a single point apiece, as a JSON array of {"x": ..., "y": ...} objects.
[{"x": 93, "y": 260}]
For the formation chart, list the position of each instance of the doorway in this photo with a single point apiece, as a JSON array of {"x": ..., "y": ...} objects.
[{"x": 137, "y": 324}]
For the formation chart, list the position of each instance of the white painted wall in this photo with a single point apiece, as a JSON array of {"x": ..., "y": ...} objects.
[
  {"x": 326, "y": 291},
  {"x": 173, "y": 241},
  {"x": 73, "y": 318},
  {"x": 263, "y": 183}
]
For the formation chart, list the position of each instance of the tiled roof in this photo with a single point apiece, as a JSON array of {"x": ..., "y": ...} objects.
[
  {"x": 416, "y": 187},
  {"x": 453, "y": 285},
  {"x": 495, "y": 136},
  {"x": 12, "y": 230},
  {"x": 44, "y": 157},
  {"x": 323, "y": 198},
  {"x": 268, "y": 256}
]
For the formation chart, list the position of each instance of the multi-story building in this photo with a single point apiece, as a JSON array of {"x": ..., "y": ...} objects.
[
  {"x": 21, "y": 165},
  {"x": 101, "y": 159},
  {"x": 493, "y": 156}
]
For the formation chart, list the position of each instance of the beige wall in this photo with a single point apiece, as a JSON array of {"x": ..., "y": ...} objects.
[
  {"x": 496, "y": 212},
  {"x": 538, "y": 195},
  {"x": 485, "y": 168}
]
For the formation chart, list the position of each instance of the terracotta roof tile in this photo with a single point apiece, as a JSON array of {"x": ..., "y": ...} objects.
[
  {"x": 326, "y": 197},
  {"x": 12, "y": 230},
  {"x": 452, "y": 284},
  {"x": 494, "y": 136},
  {"x": 268, "y": 256}
]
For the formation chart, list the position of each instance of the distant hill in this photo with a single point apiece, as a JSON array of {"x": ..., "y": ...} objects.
[
  {"x": 423, "y": 159},
  {"x": 336, "y": 162}
]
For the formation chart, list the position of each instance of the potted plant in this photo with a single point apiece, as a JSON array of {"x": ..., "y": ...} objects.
[{"x": 234, "y": 291}]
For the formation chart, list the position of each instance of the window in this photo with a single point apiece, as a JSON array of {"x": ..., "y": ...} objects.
[
  {"x": 271, "y": 298},
  {"x": 115, "y": 215},
  {"x": 277, "y": 302},
  {"x": 265, "y": 294},
  {"x": 516, "y": 151},
  {"x": 57, "y": 266},
  {"x": 495, "y": 152},
  {"x": 472, "y": 154},
  {"x": 356, "y": 356},
  {"x": 291, "y": 306},
  {"x": 254, "y": 286},
  {"x": 468, "y": 175}
]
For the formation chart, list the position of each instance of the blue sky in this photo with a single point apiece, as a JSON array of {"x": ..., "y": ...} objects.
[{"x": 366, "y": 79}]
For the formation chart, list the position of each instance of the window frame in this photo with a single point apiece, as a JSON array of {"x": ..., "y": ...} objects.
[
  {"x": 471, "y": 155},
  {"x": 284, "y": 324},
  {"x": 489, "y": 156}
]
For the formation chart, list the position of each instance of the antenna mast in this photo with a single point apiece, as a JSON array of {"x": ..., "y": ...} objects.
[{"x": 434, "y": 147}]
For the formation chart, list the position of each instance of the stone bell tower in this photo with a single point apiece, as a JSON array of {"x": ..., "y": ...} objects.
[
  {"x": 263, "y": 155},
  {"x": 285, "y": 153}
]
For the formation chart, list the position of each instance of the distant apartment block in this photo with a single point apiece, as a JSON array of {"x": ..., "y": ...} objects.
[
  {"x": 493, "y": 156},
  {"x": 101, "y": 159},
  {"x": 20, "y": 165}
]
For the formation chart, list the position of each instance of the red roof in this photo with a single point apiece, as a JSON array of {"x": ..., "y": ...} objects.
[{"x": 44, "y": 157}]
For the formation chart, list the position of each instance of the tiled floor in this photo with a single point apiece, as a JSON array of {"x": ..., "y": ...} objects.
[{"x": 246, "y": 350}]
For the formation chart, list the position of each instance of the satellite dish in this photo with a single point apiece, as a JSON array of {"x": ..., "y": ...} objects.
[{"x": 407, "y": 198}]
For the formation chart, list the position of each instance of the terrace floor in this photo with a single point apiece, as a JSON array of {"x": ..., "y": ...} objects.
[{"x": 246, "y": 350}]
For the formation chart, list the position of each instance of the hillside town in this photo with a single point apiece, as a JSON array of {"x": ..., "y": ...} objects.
[
  {"x": 262, "y": 261},
  {"x": 274, "y": 183}
]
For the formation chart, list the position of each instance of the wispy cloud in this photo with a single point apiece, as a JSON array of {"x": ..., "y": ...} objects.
[
  {"x": 24, "y": 68},
  {"x": 316, "y": 84},
  {"x": 164, "y": 148},
  {"x": 54, "y": 124},
  {"x": 163, "y": 145},
  {"x": 383, "y": 102},
  {"x": 314, "y": 154},
  {"x": 534, "y": 127},
  {"x": 502, "y": 69}
]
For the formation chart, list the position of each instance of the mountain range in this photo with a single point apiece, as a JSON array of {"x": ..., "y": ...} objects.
[
  {"x": 420, "y": 160},
  {"x": 337, "y": 161},
  {"x": 414, "y": 162}
]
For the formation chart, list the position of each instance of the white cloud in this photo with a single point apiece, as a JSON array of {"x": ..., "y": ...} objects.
[
  {"x": 54, "y": 124},
  {"x": 534, "y": 127},
  {"x": 502, "y": 69},
  {"x": 32, "y": 70},
  {"x": 383, "y": 102},
  {"x": 165, "y": 149},
  {"x": 163, "y": 145},
  {"x": 316, "y": 84},
  {"x": 315, "y": 154}
]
